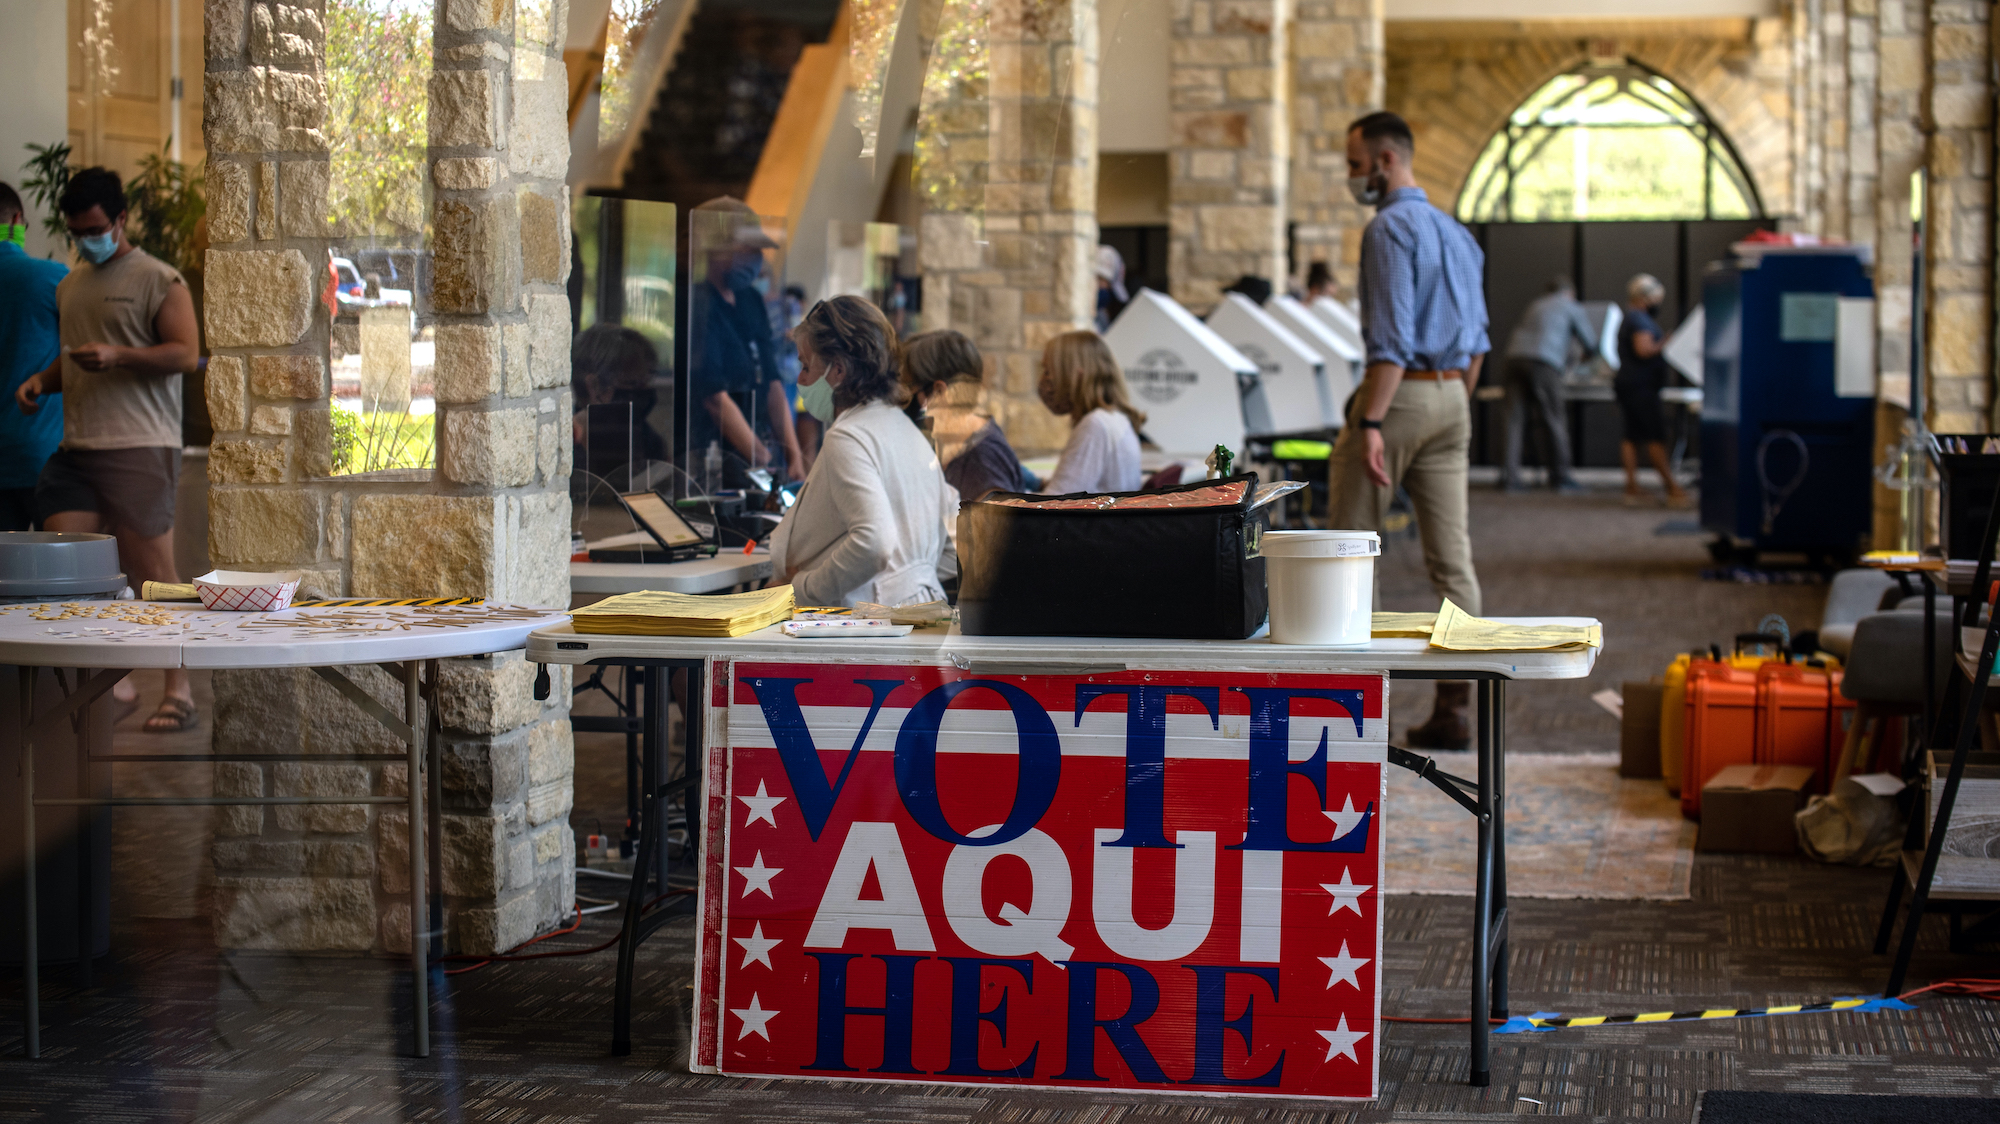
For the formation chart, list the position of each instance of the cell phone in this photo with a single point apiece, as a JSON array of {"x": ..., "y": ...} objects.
[{"x": 660, "y": 520}]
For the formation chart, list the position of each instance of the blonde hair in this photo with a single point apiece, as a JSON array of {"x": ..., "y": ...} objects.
[{"x": 1086, "y": 377}]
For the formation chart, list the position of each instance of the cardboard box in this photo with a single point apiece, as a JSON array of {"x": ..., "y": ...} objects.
[
  {"x": 1750, "y": 808},
  {"x": 1639, "y": 730}
]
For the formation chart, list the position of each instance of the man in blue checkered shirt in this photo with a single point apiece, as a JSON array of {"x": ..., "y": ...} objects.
[{"x": 1423, "y": 319}]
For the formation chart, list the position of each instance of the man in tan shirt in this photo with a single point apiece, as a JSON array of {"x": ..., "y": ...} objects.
[{"x": 128, "y": 334}]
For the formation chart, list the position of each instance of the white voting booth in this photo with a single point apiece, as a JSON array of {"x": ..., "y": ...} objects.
[
  {"x": 1605, "y": 319},
  {"x": 1191, "y": 383},
  {"x": 1684, "y": 347},
  {"x": 1292, "y": 375},
  {"x": 1343, "y": 359},
  {"x": 1342, "y": 319}
]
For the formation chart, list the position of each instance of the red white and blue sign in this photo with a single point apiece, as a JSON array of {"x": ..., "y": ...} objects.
[{"x": 1139, "y": 880}]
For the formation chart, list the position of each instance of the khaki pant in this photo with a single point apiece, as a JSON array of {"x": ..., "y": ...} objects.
[{"x": 1426, "y": 443}]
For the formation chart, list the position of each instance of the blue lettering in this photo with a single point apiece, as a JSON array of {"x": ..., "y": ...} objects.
[
  {"x": 1211, "y": 1001},
  {"x": 897, "y": 1012},
  {"x": 1039, "y": 766},
  {"x": 1271, "y": 769},
  {"x": 795, "y": 743},
  {"x": 1122, "y": 1031},
  {"x": 966, "y": 1017},
  {"x": 1146, "y": 752}
]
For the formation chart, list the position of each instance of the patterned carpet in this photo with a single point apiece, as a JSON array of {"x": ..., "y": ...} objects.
[{"x": 176, "y": 1031}]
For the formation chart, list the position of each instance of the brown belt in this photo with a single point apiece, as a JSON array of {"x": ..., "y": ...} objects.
[{"x": 1434, "y": 376}]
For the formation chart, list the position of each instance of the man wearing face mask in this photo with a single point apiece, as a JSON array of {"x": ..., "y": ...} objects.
[
  {"x": 738, "y": 394},
  {"x": 28, "y": 343},
  {"x": 128, "y": 335},
  {"x": 1423, "y": 319},
  {"x": 1642, "y": 371}
]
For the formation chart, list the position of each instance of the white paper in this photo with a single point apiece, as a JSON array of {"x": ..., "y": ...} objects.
[
  {"x": 1881, "y": 784},
  {"x": 1613, "y": 701}
]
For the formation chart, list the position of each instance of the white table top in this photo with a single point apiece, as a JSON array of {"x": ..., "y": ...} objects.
[
  {"x": 200, "y": 638},
  {"x": 561, "y": 644},
  {"x": 700, "y": 575}
]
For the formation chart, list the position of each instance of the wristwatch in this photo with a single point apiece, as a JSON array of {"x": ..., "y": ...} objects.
[{"x": 1370, "y": 423}]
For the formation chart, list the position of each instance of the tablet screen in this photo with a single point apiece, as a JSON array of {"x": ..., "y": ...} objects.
[{"x": 659, "y": 517}]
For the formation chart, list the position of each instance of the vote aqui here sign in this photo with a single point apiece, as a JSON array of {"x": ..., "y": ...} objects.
[{"x": 1141, "y": 880}]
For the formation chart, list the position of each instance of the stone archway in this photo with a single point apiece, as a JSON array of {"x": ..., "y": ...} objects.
[{"x": 1456, "y": 91}]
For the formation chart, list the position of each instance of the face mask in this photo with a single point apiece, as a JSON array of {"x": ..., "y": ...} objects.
[
  {"x": 817, "y": 398},
  {"x": 97, "y": 248},
  {"x": 14, "y": 232},
  {"x": 1369, "y": 191},
  {"x": 742, "y": 275}
]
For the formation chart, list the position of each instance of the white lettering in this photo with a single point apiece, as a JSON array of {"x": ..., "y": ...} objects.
[
  {"x": 1194, "y": 898},
  {"x": 1018, "y": 932},
  {"x": 842, "y": 908}
]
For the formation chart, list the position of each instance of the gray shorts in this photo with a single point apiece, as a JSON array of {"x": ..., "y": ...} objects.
[{"x": 133, "y": 489}]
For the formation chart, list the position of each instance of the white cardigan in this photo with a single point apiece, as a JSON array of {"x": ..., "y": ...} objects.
[
  {"x": 876, "y": 520},
  {"x": 1102, "y": 455}
]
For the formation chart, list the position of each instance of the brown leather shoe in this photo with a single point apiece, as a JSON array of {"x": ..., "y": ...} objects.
[{"x": 1450, "y": 724}]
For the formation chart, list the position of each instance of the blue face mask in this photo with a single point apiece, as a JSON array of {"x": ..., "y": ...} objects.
[
  {"x": 97, "y": 248},
  {"x": 742, "y": 275}
]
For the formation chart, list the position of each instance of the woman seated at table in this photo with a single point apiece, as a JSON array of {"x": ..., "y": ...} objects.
[
  {"x": 875, "y": 519},
  {"x": 942, "y": 371},
  {"x": 1081, "y": 380}
]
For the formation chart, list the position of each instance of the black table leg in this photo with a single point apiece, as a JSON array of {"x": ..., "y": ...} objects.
[
  {"x": 1482, "y": 894},
  {"x": 651, "y": 841},
  {"x": 1499, "y": 929},
  {"x": 629, "y": 688}
]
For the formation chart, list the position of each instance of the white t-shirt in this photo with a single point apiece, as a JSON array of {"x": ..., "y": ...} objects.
[{"x": 1102, "y": 456}]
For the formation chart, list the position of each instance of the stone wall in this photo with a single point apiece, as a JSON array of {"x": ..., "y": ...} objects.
[
  {"x": 491, "y": 521},
  {"x": 1006, "y": 172},
  {"x": 1227, "y": 171},
  {"x": 1338, "y": 72}
]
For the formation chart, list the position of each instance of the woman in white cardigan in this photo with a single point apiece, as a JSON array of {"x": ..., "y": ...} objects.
[
  {"x": 875, "y": 521},
  {"x": 1081, "y": 381}
]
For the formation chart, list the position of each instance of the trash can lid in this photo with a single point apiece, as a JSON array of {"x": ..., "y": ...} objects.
[
  {"x": 58, "y": 564},
  {"x": 1321, "y": 544}
]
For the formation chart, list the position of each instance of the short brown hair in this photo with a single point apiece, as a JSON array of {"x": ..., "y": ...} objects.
[
  {"x": 852, "y": 334},
  {"x": 1087, "y": 377},
  {"x": 940, "y": 356}
]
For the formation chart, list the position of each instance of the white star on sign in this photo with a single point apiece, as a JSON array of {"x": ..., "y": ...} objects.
[
  {"x": 757, "y": 877},
  {"x": 1343, "y": 967},
  {"x": 1346, "y": 895},
  {"x": 761, "y": 805},
  {"x": 757, "y": 949},
  {"x": 1339, "y": 1042},
  {"x": 756, "y": 1020},
  {"x": 1345, "y": 820}
]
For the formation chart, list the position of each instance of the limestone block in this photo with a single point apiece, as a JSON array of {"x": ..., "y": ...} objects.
[
  {"x": 551, "y": 752},
  {"x": 302, "y": 194},
  {"x": 480, "y": 775},
  {"x": 542, "y": 235},
  {"x": 245, "y": 857},
  {"x": 284, "y": 35},
  {"x": 540, "y": 565},
  {"x": 237, "y": 778},
  {"x": 519, "y": 871},
  {"x": 520, "y": 377},
  {"x": 385, "y": 359},
  {"x": 291, "y": 779},
  {"x": 287, "y": 376},
  {"x": 549, "y": 843},
  {"x": 336, "y": 525},
  {"x": 951, "y": 241},
  {"x": 1958, "y": 334},
  {"x": 246, "y": 462},
  {"x": 321, "y": 584},
  {"x": 466, "y": 173},
  {"x": 1241, "y": 228},
  {"x": 392, "y": 850},
  {"x": 271, "y": 421},
  {"x": 476, "y": 15},
  {"x": 223, "y": 22},
  {"x": 224, "y": 384},
  {"x": 548, "y": 339},
  {"x": 228, "y": 186},
  {"x": 1324, "y": 39},
  {"x": 490, "y": 696},
  {"x": 263, "y": 526},
  {"x": 497, "y": 928},
  {"x": 469, "y": 256},
  {"x": 489, "y": 447},
  {"x": 298, "y": 914},
  {"x": 332, "y": 858},
  {"x": 473, "y": 848},
  {"x": 1219, "y": 129},
  {"x": 395, "y": 927},
  {"x": 468, "y": 362},
  {"x": 267, "y": 200},
  {"x": 566, "y": 448},
  {"x": 464, "y": 110},
  {"x": 425, "y": 546},
  {"x": 548, "y": 801},
  {"x": 538, "y": 129},
  {"x": 263, "y": 110},
  {"x": 314, "y": 426},
  {"x": 1960, "y": 106},
  {"x": 257, "y": 298},
  {"x": 547, "y": 457}
]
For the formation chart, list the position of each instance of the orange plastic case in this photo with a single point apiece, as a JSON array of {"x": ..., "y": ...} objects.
[{"x": 1721, "y": 726}]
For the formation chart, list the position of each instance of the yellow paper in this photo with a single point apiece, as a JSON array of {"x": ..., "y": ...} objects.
[
  {"x": 1404, "y": 626},
  {"x": 1459, "y": 631},
  {"x": 654, "y": 612},
  {"x": 168, "y": 591}
]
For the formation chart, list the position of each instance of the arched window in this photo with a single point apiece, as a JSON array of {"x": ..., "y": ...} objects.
[{"x": 1608, "y": 142}]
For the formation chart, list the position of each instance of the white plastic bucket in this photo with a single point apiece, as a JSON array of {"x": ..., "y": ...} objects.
[{"x": 1322, "y": 586}]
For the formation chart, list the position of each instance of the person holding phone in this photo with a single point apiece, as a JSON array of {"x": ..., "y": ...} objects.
[{"x": 127, "y": 328}]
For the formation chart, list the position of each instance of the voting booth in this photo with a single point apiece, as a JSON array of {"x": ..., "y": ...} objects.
[
  {"x": 1343, "y": 320},
  {"x": 1190, "y": 382},
  {"x": 1605, "y": 319},
  {"x": 1291, "y": 373},
  {"x": 1342, "y": 358}
]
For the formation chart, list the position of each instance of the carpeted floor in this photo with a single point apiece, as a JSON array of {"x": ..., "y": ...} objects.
[
  {"x": 1575, "y": 829},
  {"x": 176, "y": 1031}
]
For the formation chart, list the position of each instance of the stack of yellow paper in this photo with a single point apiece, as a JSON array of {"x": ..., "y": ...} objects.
[
  {"x": 1459, "y": 631},
  {"x": 655, "y": 612},
  {"x": 1406, "y": 626}
]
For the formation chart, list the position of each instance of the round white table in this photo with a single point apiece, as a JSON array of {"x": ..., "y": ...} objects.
[{"x": 112, "y": 638}]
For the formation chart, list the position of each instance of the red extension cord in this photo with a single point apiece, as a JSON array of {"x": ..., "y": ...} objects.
[{"x": 483, "y": 961}]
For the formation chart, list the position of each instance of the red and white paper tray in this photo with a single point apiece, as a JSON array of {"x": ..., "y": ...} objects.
[{"x": 247, "y": 591}]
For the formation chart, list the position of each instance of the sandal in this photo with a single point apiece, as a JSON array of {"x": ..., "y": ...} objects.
[{"x": 173, "y": 717}]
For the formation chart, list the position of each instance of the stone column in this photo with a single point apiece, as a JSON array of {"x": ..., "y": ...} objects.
[
  {"x": 1959, "y": 227},
  {"x": 1337, "y": 76},
  {"x": 1007, "y": 172},
  {"x": 492, "y": 521},
  {"x": 1231, "y": 136}
]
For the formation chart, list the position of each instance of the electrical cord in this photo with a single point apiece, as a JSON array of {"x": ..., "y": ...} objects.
[
  {"x": 515, "y": 953},
  {"x": 1775, "y": 497},
  {"x": 1977, "y": 989}
]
